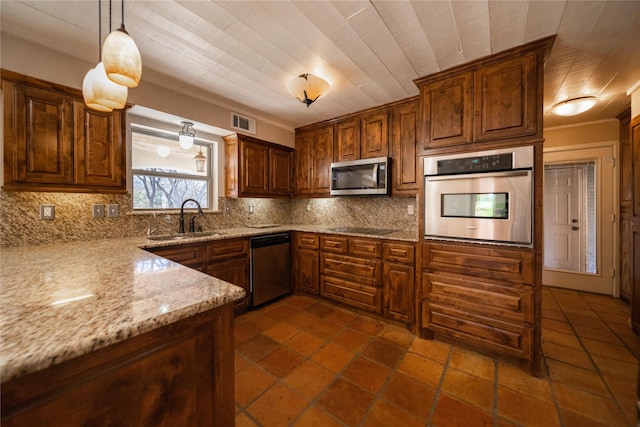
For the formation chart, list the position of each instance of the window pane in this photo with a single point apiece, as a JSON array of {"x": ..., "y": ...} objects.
[
  {"x": 151, "y": 152},
  {"x": 156, "y": 192}
]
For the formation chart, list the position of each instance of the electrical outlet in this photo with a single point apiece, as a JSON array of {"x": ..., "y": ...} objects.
[
  {"x": 250, "y": 209},
  {"x": 98, "y": 211},
  {"x": 113, "y": 210},
  {"x": 47, "y": 211},
  {"x": 410, "y": 209}
]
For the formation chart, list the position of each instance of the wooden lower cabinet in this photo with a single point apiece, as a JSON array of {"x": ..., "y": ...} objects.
[
  {"x": 398, "y": 280},
  {"x": 306, "y": 263},
  {"x": 179, "y": 374},
  {"x": 351, "y": 281},
  {"x": 482, "y": 296}
]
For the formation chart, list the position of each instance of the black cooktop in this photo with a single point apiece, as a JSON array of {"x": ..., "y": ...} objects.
[{"x": 363, "y": 230}]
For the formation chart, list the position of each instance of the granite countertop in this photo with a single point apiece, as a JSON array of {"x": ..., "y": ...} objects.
[{"x": 61, "y": 301}]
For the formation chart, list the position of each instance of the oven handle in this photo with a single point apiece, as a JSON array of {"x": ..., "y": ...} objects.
[{"x": 479, "y": 175}]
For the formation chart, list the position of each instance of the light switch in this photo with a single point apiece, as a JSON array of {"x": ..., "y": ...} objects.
[
  {"x": 98, "y": 211},
  {"x": 113, "y": 210}
]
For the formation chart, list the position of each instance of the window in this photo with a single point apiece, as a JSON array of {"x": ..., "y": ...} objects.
[{"x": 165, "y": 174}]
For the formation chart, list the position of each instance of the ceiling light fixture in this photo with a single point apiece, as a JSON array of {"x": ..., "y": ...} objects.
[
  {"x": 98, "y": 91},
  {"x": 200, "y": 161},
  {"x": 121, "y": 57},
  {"x": 186, "y": 135},
  {"x": 307, "y": 88},
  {"x": 574, "y": 106},
  {"x": 163, "y": 150}
]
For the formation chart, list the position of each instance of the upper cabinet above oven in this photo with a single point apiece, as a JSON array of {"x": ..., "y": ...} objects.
[{"x": 495, "y": 98}]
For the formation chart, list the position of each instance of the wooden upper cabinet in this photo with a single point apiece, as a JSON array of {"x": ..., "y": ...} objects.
[
  {"x": 494, "y": 98},
  {"x": 506, "y": 99},
  {"x": 256, "y": 168},
  {"x": 364, "y": 136},
  {"x": 99, "y": 148},
  {"x": 447, "y": 111},
  {"x": 404, "y": 146},
  {"x": 52, "y": 142},
  {"x": 347, "y": 143},
  {"x": 314, "y": 154},
  {"x": 374, "y": 136}
]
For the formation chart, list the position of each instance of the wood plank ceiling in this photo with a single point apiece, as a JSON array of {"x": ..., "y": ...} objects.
[{"x": 370, "y": 51}]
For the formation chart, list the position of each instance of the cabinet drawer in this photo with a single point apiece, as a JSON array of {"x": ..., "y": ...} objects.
[
  {"x": 354, "y": 294},
  {"x": 335, "y": 244},
  {"x": 484, "y": 332},
  {"x": 491, "y": 263},
  {"x": 189, "y": 256},
  {"x": 365, "y": 247},
  {"x": 228, "y": 249},
  {"x": 307, "y": 241},
  {"x": 356, "y": 269},
  {"x": 399, "y": 252},
  {"x": 509, "y": 303}
]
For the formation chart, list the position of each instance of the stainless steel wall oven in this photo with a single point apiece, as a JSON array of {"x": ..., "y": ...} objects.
[{"x": 480, "y": 196}]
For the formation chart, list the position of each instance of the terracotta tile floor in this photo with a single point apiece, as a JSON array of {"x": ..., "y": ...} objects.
[{"x": 304, "y": 362}]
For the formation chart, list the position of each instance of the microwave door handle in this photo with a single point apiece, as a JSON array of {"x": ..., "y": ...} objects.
[
  {"x": 375, "y": 174},
  {"x": 478, "y": 175}
]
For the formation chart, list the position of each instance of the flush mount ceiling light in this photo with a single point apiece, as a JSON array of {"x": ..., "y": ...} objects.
[
  {"x": 121, "y": 57},
  {"x": 186, "y": 135},
  {"x": 307, "y": 88},
  {"x": 574, "y": 106},
  {"x": 200, "y": 160}
]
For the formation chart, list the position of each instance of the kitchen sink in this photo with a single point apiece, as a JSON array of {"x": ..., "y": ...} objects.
[{"x": 184, "y": 236}]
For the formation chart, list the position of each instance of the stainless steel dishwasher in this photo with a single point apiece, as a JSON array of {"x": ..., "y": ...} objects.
[{"x": 270, "y": 275}]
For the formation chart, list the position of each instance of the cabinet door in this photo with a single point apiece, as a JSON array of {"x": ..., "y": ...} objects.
[
  {"x": 38, "y": 136},
  {"x": 398, "y": 289},
  {"x": 506, "y": 100},
  {"x": 374, "y": 138},
  {"x": 192, "y": 256},
  {"x": 447, "y": 109},
  {"x": 322, "y": 157},
  {"x": 280, "y": 171},
  {"x": 234, "y": 271},
  {"x": 304, "y": 164},
  {"x": 255, "y": 169},
  {"x": 635, "y": 148},
  {"x": 347, "y": 144},
  {"x": 99, "y": 155},
  {"x": 308, "y": 271},
  {"x": 404, "y": 145}
]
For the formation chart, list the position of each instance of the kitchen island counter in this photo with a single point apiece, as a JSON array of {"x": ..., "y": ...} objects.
[{"x": 62, "y": 301}]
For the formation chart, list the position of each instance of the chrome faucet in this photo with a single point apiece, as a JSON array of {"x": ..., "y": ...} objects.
[{"x": 192, "y": 223}]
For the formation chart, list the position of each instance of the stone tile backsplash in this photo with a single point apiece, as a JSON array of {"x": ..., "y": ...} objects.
[{"x": 20, "y": 222}]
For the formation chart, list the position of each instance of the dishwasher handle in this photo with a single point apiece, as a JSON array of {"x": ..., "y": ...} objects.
[{"x": 270, "y": 240}]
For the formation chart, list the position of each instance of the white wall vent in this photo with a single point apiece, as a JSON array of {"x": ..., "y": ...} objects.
[{"x": 243, "y": 123}]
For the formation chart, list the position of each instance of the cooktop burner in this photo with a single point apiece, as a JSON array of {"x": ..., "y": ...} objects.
[{"x": 363, "y": 230}]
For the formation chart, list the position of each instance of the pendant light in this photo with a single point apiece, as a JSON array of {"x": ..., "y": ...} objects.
[
  {"x": 200, "y": 160},
  {"x": 186, "y": 135},
  {"x": 307, "y": 88},
  {"x": 121, "y": 57},
  {"x": 98, "y": 91}
]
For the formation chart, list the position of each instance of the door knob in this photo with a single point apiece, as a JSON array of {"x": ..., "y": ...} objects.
[
  {"x": 574, "y": 228},
  {"x": 573, "y": 221}
]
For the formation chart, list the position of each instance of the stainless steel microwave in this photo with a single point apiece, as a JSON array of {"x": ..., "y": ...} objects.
[{"x": 361, "y": 177}]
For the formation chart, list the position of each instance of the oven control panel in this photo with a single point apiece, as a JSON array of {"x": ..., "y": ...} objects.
[{"x": 490, "y": 163}]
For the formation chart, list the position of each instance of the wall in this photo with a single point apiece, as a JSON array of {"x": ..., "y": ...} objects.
[{"x": 584, "y": 133}]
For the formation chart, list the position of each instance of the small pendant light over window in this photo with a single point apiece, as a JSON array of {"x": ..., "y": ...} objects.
[
  {"x": 121, "y": 57},
  {"x": 186, "y": 135},
  {"x": 200, "y": 161}
]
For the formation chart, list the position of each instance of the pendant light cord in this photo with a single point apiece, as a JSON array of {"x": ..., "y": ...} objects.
[
  {"x": 122, "y": 14},
  {"x": 109, "y": 16},
  {"x": 99, "y": 30}
]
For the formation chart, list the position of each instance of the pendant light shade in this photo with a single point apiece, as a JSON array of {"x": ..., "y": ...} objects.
[
  {"x": 106, "y": 92},
  {"x": 121, "y": 58},
  {"x": 307, "y": 88},
  {"x": 87, "y": 93},
  {"x": 186, "y": 135}
]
